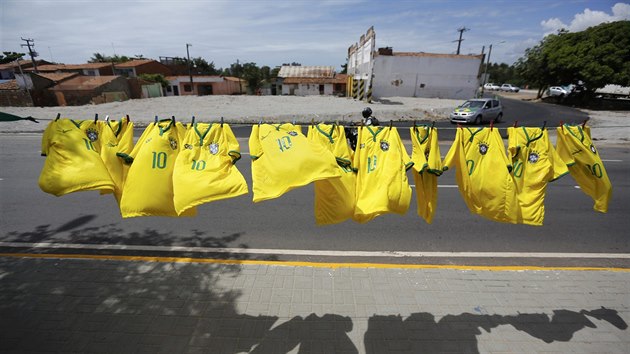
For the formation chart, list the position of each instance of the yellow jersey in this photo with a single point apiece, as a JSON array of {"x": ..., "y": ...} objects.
[
  {"x": 382, "y": 163},
  {"x": 284, "y": 159},
  {"x": 148, "y": 188},
  {"x": 72, "y": 161},
  {"x": 116, "y": 137},
  {"x": 535, "y": 162},
  {"x": 205, "y": 169},
  {"x": 334, "y": 197},
  {"x": 483, "y": 177},
  {"x": 577, "y": 150},
  {"x": 427, "y": 166}
]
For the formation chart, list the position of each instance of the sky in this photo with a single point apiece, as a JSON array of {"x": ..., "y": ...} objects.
[{"x": 274, "y": 32}]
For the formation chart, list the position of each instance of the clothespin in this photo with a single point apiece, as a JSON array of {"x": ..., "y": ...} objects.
[
  {"x": 221, "y": 122},
  {"x": 312, "y": 122},
  {"x": 128, "y": 119},
  {"x": 544, "y": 125},
  {"x": 293, "y": 122},
  {"x": 562, "y": 125},
  {"x": 192, "y": 121},
  {"x": 95, "y": 117},
  {"x": 173, "y": 119},
  {"x": 432, "y": 124},
  {"x": 584, "y": 122},
  {"x": 515, "y": 123},
  {"x": 58, "y": 116},
  {"x": 156, "y": 120},
  {"x": 491, "y": 124},
  {"x": 391, "y": 122},
  {"x": 107, "y": 118},
  {"x": 259, "y": 122}
]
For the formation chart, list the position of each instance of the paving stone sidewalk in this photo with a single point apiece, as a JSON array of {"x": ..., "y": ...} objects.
[{"x": 105, "y": 306}]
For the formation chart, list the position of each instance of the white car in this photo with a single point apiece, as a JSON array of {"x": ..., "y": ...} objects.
[
  {"x": 509, "y": 88},
  {"x": 491, "y": 87},
  {"x": 557, "y": 91}
]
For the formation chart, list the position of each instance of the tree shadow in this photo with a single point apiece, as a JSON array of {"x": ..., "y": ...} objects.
[{"x": 421, "y": 333}]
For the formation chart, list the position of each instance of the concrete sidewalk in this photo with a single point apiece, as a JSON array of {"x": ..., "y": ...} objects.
[{"x": 138, "y": 306}]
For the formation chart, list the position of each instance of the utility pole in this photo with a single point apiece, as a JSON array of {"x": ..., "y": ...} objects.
[
  {"x": 461, "y": 31},
  {"x": 31, "y": 52},
  {"x": 192, "y": 89}
]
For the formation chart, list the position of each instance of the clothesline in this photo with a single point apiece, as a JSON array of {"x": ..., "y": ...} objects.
[{"x": 416, "y": 123}]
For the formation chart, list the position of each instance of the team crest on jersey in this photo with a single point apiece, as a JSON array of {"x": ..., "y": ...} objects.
[
  {"x": 92, "y": 134},
  {"x": 483, "y": 148},
  {"x": 593, "y": 149},
  {"x": 214, "y": 148},
  {"x": 533, "y": 157},
  {"x": 384, "y": 145},
  {"x": 292, "y": 133},
  {"x": 173, "y": 143},
  {"x": 188, "y": 147},
  {"x": 426, "y": 154}
]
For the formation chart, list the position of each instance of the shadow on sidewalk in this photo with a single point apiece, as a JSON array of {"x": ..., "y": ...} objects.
[{"x": 421, "y": 333}]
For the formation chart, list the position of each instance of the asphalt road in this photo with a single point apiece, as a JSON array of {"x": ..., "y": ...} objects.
[{"x": 284, "y": 228}]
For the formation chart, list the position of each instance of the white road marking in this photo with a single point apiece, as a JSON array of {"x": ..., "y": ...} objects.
[
  {"x": 323, "y": 253},
  {"x": 612, "y": 160}
]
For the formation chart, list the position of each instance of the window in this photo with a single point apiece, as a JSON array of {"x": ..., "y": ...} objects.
[
  {"x": 187, "y": 88},
  {"x": 168, "y": 88}
]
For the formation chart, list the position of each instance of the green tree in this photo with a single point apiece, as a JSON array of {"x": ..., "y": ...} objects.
[
  {"x": 598, "y": 56},
  {"x": 201, "y": 66},
  {"x": 8, "y": 57},
  {"x": 155, "y": 78},
  {"x": 102, "y": 58},
  {"x": 252, "y": 75}
]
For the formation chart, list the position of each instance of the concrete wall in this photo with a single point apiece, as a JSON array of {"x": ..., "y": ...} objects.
[
  {"x": 306, "y": 89},
  {"x": 16, "y": 98},
  {"x": 426, "y": 76}
]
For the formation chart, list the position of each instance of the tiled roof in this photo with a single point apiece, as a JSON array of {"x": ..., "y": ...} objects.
[
  {"x": 57, "y": 77},
  {"x": 314, "y": 80},
  {"x": 84, "y": 83},
  {"x": 13, "y": 64},
  {"x": 306, "y": 71},
  {"x": 232, "y": 78},
  {"x": 62, "y": 67},
  {"x": 134, "y": 63},
  {"x": 9, "y": 85}
]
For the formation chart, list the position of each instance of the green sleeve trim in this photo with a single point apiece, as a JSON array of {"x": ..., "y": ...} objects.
[
  {"x": 445, "y": 168},
  {"x": 562, "y": 175},
  {"x": 423, "y": 168},
  {"x": 571, "y": 164},
  {"x": 254, "y": 157},
  {"x": 128, "y": 160},
  {"x": 343, "y": 162},
  {"x": 408, "y": 165},
  {"x": 235, "y": 155},
  {"x": 435, "y": 172}
]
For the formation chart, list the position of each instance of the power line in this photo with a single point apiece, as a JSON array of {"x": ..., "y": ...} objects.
[
  {"x": 31, "y": 52},
  {"x": 461, "y": 31}
]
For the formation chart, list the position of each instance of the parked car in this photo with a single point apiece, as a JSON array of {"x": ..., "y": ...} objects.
[
  {"x": 557, "y": 91},
  {"x": 477, "y": 111},
  {"x": 491, "y": 87},
  {"x": 509, "y": 88}
]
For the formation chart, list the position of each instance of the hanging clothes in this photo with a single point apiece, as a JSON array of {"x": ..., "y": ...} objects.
[
  {"x": 381, "y": 162},
  {"x": 116, "y": 137},
  {"x": 535, "y": 163},
  {"x": 205, "y": 169},
  {"x": 148, "y": 188},
  {"x": 483, "y": 175},
  {"x": 334, "y": 197},
  {"x": 284, "y": 159},
  {"x": 72, "y": 161},
  {"x": 427, "y": 166},
  {"x": 577, "y": 150}
]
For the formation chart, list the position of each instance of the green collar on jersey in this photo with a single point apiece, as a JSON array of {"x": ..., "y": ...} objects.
[
  {"x": 530, "y": 140},
  {"x": 427, "y": 129},
  {"x": 329, "y": 134},
  {"x": 165, "y": 129},
  {"x": 77, "y": 124},
  {"x": 472, "y": 134},
  {"x": 118, "y": 128},
  {"x": 374, "y": 134},
  {"x": 200, "y": 135},
  {"x": 581, "y": 137}
]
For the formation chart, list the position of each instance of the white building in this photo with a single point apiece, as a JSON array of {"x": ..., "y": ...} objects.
[{"x": 425, "y": 74}]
